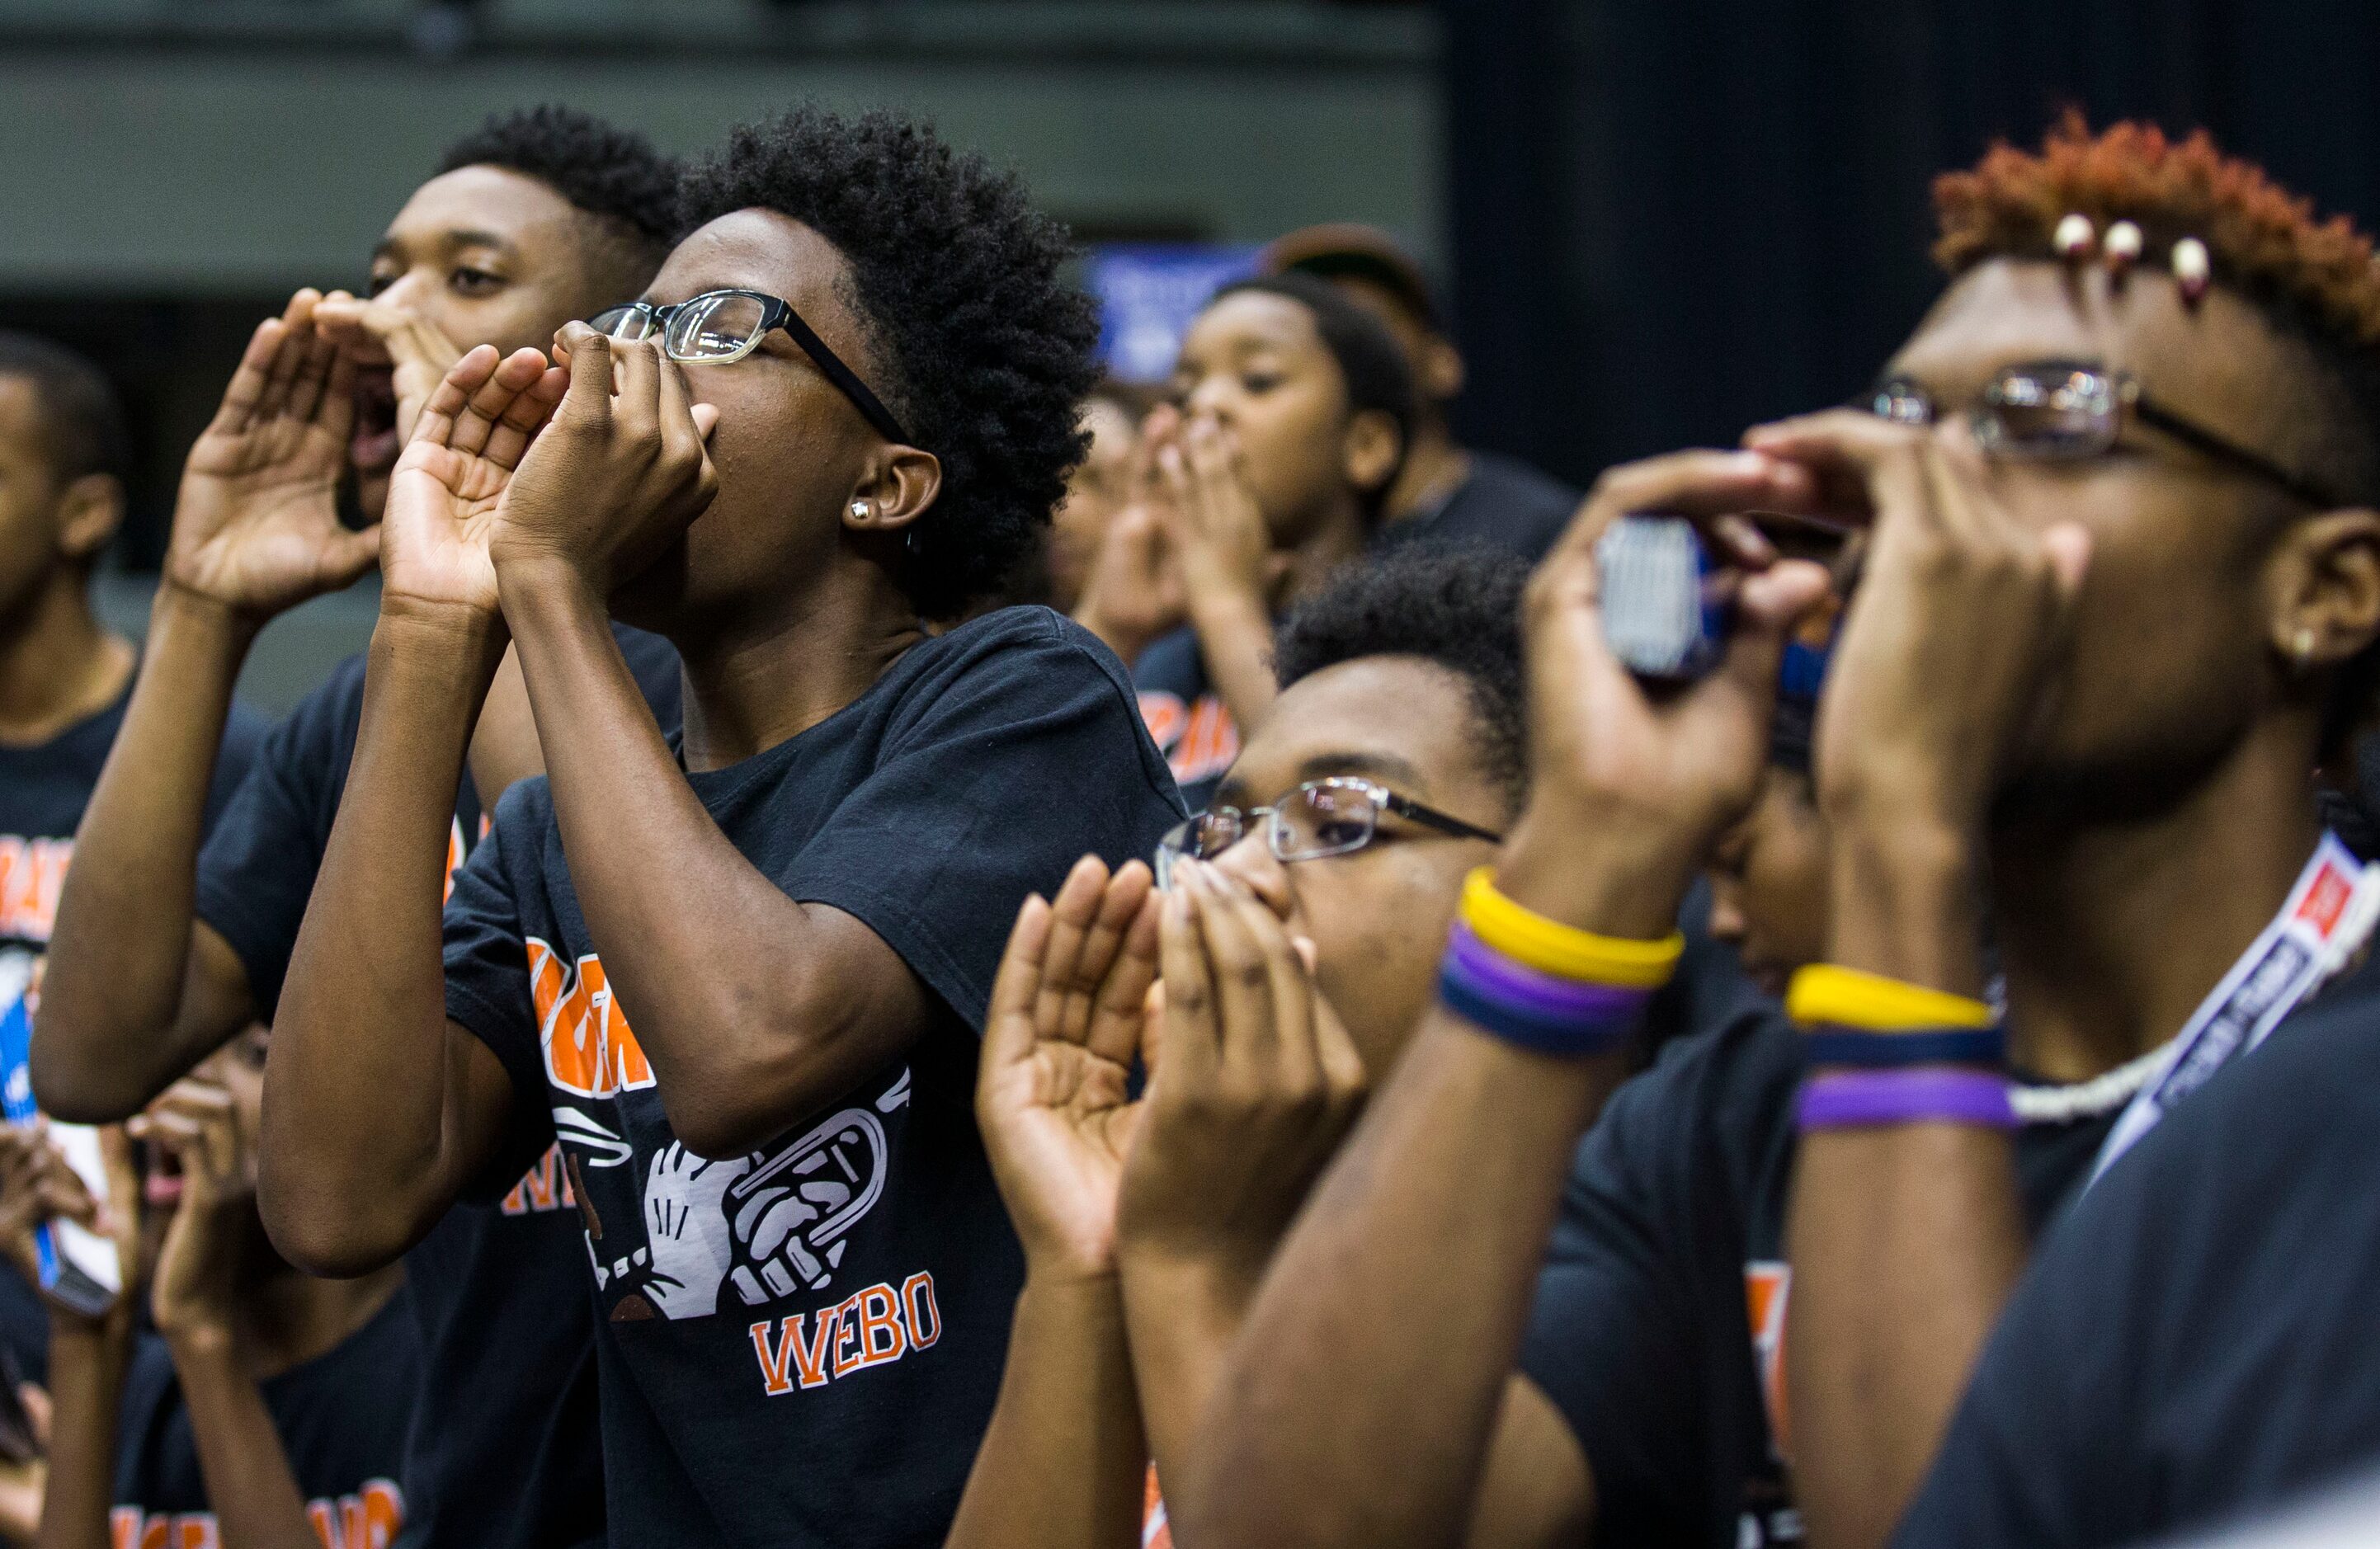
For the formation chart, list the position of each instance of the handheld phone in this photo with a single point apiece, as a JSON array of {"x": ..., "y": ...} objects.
[
  {"x": 78, "y": 1266},
  {"x": 1663, "y": 614}
]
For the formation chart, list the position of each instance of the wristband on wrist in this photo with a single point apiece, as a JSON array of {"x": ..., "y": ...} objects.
[
  {"x": 1929, "y": 1094},
  {"x": 1830, "y": 1044},
  {"x": 1531, "y": 940},
  {"x": 1825, "y": 992},
  {"x": 1534, "y": 1009}
]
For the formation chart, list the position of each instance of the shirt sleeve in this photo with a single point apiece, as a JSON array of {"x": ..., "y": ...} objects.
[
  {"x": 1006, "y": 766},
  {"x": 255, "y": 870},
  {"x": 1609, "y": 1339},
  {"x": 488, "y": 984}
]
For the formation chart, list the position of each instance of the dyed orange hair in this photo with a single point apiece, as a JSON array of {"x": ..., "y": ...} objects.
[{"x": 2265, "y": 240}]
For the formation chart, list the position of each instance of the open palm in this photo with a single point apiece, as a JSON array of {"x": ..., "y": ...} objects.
[
  {"x": 256, "y": 521},
  {"x": 445, "y": 496},
  {"x": 1054, "y": 1098}
]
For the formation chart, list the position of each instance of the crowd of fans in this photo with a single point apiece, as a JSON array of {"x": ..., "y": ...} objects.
[{"x": 893, "y": 944}]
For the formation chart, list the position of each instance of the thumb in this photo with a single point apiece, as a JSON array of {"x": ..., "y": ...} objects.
[
  {"x": 352, "y": 553},
  {"x": 705, "y": 417},
  {"x": 36, "y": 1400},
  {"x": 1767, "y": 608},
  {"x": 589, "y": 394}
]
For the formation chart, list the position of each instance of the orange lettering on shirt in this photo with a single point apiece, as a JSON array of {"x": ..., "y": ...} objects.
[
  {"x": 1767, "y": 1286},
  {"x": 590, "y": 1048},
  {"x": 881, "y": 1335},
  {"x": 925, "y": 1318},
  {"x": 453, "y": 855},
  {"x": 544, "y": 1187},
  {"x": 1209, "y": 746},
  {"x": 1163, "y": 715},
  {"x": 32, "y": 872}
]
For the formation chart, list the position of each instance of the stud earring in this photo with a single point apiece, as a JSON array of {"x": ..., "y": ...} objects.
[
  {"x": 860, "y": 509},
  {"x": 2302, "y": 645}
]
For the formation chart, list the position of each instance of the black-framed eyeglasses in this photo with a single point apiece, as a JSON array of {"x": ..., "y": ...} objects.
[
  {"x": 723, "y": 326},
  {"x": 2072, "y": 410},
  {"x": 1334, "y": 817}
]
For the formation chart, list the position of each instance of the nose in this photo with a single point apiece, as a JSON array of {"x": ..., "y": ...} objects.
[
  {"x": 1253, "y": 864},
  {"x": 1210, "y": 399},
  {"x": 408, "y": 290}
]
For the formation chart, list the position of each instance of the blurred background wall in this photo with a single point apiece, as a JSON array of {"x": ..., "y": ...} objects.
[
  {"x": 1670, "y": 219},
  {"x": 170, "y": 170}
]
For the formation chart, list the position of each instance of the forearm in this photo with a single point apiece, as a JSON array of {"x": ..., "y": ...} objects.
[
  {"x": 1181, "y": 1317},
  {"x": 1905, "y": 1240},
  {"x": 1062, "y": 1464},
  {"x": 87, "y": 1370},
  {"x": 249, "y": 1486},
  {"x": 739, "y": 1042},
  {"x": 362, "y": 1019},
  {"x": 112, "y": 1033},
  {"x": 1426, "y": 1232},
  {"x": 1235, "y": 642}
]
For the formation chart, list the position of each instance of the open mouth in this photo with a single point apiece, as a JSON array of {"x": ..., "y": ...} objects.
[
  {"x": 162, "y": 1186},
  {"x": 373, "y": 448}
]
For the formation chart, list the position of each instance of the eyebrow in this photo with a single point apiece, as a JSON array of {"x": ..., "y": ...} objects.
[
  {"x": 388, "y": 245},
  {"x": 1384, "y": 767}
]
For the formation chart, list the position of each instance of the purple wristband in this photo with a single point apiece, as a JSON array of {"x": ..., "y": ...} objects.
[
  {"x": 1861, "y": 1099},
  {"x": 1494, "y": 973}
]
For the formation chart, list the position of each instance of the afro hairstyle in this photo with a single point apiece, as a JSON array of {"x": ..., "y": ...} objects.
[
  {"x": 1457, "y": 607},
  {"x": 79, "y": 409},
  {"x": 2313, "y": 281},
  {"x": 1370, "y": 361},
  {"x": 610, "y": 174},
  {"x": 982, "y": 351}
]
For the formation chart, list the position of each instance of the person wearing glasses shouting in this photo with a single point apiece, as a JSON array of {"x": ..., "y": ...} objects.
[
  {"x": 2121, "y": 593},
  {"x": 739, "y": 975}
]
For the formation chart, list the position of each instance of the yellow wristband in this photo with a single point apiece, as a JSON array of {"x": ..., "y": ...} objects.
[
  {"x": 1848, "y": 997},
  {"x": 1564, "y": 951}
]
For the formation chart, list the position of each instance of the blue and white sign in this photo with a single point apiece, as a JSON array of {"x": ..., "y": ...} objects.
[{"x": 1148, "y": 293}]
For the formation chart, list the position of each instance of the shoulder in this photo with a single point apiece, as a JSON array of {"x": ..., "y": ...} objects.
[{"x": 1027, "y": 647}]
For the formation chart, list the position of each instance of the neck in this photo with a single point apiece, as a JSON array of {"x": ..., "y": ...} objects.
[
  {"x": 1336, "y": 538},
  {"x": 1433, "y": 467},
  {"x": 2112, "y": 932},
  {"x": 290, "y": 1318},
  {"x": 56, "y": 664},
  {"x": 747, "y": 691}
]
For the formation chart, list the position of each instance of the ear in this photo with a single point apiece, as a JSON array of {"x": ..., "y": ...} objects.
[
  {"x": 90, "y": 510},
  {"x": 1442, "y": 371},
  {"x": 2326, "y": 589},
  {"x": 894, "y": 490},
  {"x": 1371, "y": 450}
]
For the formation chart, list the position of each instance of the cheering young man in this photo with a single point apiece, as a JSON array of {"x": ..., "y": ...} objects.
[
  {"x": 166, "y": 948},
  {"x": 2123, "y": 579},
  {"x": 738, "y": 979}
]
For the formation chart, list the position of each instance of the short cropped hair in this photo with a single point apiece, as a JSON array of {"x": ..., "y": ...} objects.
[
  {"x": 1459, "y": 608},
  {"x": 80, "y": 414},
  {"x": 983, "y": 351},
  {"x": 1369, "y": 358},
  {"x": 610, "y": 174}
]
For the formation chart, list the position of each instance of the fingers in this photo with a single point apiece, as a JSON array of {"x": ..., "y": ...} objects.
[
  {"x": 1120, "y": 1026},
  {"x": 1267, "y": 1000},
  {"x": 518, "y": 426},
  {"x": 684, "y": 429},
  {"x": 1191, "y": 1039},
  {"x": 639, "y": 411},
  {"x": 453, "y": 395},
  {"x": 1119, "y": 907},
  {"x": 589, "y": 353},
  {"x": 245, "y": 389},
  {"x": 1073, "y": 915},
  {"x": 1008, "y": 1029},
  {"x": 297, "y": 342},
  {"x": 488, "y": 406}
]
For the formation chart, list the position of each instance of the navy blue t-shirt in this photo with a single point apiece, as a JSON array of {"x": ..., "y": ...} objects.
[
  {"x": 1503, "y": 505},
  {"x": 1185, "y": 715},
  {"x": 43, "y": 790},
  {"x": 801, "y": 1346},
  {"x": 2196, "y": 1339},
  {"x": 505, "y": 1450},
  {"x": 1659, "y": 1326},
  {"x": 342, "y": 1419}
]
